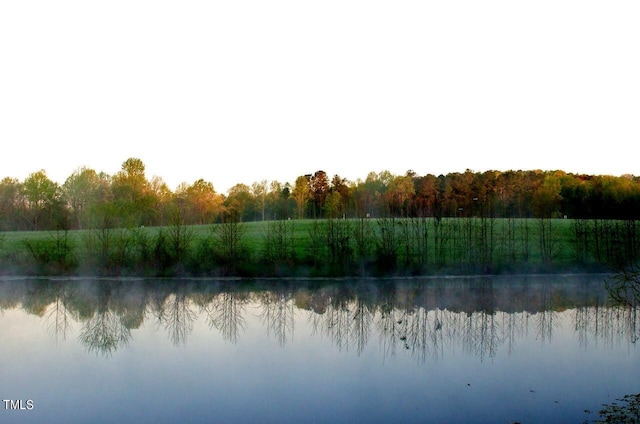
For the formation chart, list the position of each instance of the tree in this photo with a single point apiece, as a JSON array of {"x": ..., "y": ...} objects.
[
  {"x": 367, "y": 194},
  {"x": 319, "y": 185},
  {"x": 238, "y": 201},
  {"x": 341, "y": 187},
  {"x": 301, "y": 193},
  {"x": 41, "y": 194},
  {"x": 133, "y": 170},
  {"x": 547, "y": 201},
  {"x": 12, "y": 204},
  {"x": 259, "y": 190},
  {"x": 81, "y": 190},
  {"x": 162, "y": 195},
  {"x": 547, "y": 198},
  {"x": 200, "y": 202},
  {"x": 460, "y": 193},
  {"x": 205, "y": 205},
  {"x": 132, "y": 197},
  {"x": 103, "y": 213},
  {"x": 279, "y": 202},
  {"x": 398, "y": 194},
  {"x": 333, "y": 205},
  {"x": 427, "y": 195}
]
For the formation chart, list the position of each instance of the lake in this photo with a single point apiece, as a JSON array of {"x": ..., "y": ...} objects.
[{"x": 468, "y": 350}]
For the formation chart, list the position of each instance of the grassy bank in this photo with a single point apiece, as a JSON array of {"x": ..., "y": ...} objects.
[{"x": 420, "y": 246}]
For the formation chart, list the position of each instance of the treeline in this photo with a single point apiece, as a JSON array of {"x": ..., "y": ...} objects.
[{"x": 128, "y": 199}]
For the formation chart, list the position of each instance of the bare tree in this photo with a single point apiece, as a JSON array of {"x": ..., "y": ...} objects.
[{"x": 259, "y": 190}]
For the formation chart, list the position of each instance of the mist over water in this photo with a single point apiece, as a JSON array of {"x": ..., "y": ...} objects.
[{"x": 477, "y": 349}]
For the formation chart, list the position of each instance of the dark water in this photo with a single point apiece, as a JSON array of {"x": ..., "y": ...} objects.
[{"x": 484, "y": 350}]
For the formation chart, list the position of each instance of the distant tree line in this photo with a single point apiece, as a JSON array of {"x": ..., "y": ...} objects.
[{"x": 90, "y": 199}]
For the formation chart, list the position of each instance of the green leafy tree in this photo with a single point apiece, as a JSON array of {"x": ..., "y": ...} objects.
[
  {"x": 81, "y": 191},
  {"x": 200, "y": 202},
  {"x": 301, "y": 194},
  {"x": 259, "y": 191},
  {"x": 238, "y": 202},
  {"x": 12, "y": 203},
  {"x": 279, "y": 201},
  {"x": 132, "y": 196},
  {"x": 162, "y": 197},
  {"x": 341, "y": 186},
  {"x": 398, "y": 195},
  {"x": 547, "y": 198},
  {"x": 367, "y": 194},
  {"x": 333, "y": 205},
  {"x": 42, "y": 195}
]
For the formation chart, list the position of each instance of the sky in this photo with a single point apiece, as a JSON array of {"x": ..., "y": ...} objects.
[{"x": 242, "y": 91}]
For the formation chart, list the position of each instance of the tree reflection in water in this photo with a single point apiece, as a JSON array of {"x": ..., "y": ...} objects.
[
  {"x": 546, "y": 317},
  {"x": 105, "y": 332},
  {"x": 58, "y": 316},
  {"x": 606, "y": 326},
  {"x": 624, "y": 285},
  {"x": 224, "y": 312},
  {"x": 421, "y": 318},
  {"x": 277, "y": 314},
  {"x": 341, "y": 314},
  {"x": 178, "y": 317}
]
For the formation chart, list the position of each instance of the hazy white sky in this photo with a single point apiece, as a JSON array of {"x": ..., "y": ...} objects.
[{"x": 242, "y": 90}]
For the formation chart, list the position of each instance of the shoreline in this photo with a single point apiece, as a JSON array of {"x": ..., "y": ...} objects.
[{"x": 229, "y": 279}]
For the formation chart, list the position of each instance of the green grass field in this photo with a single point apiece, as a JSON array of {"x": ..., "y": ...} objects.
[{"x": 325, "y": 248}]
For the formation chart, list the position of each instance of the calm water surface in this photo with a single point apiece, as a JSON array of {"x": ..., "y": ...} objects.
[{"x": 468, "y": 350}]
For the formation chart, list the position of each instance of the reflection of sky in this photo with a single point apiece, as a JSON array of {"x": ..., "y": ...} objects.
[{"x": 306, "y": 379}]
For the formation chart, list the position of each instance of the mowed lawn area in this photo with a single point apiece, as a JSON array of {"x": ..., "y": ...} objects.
[{"x": 411, "y": 246}]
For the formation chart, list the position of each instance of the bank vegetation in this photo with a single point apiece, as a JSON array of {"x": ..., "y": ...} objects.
[{"x": 471, "y": 222}]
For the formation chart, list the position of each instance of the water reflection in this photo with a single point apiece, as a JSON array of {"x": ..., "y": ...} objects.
[
  {"x": 422, "y": 318},
  {"x": 58, "y": 316},
  {"x": 276, "y": 314},
  {"x": 343, "y": 316},
  {"x": 108, "y": 328},
  {"x": 224, "y": 312}
]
